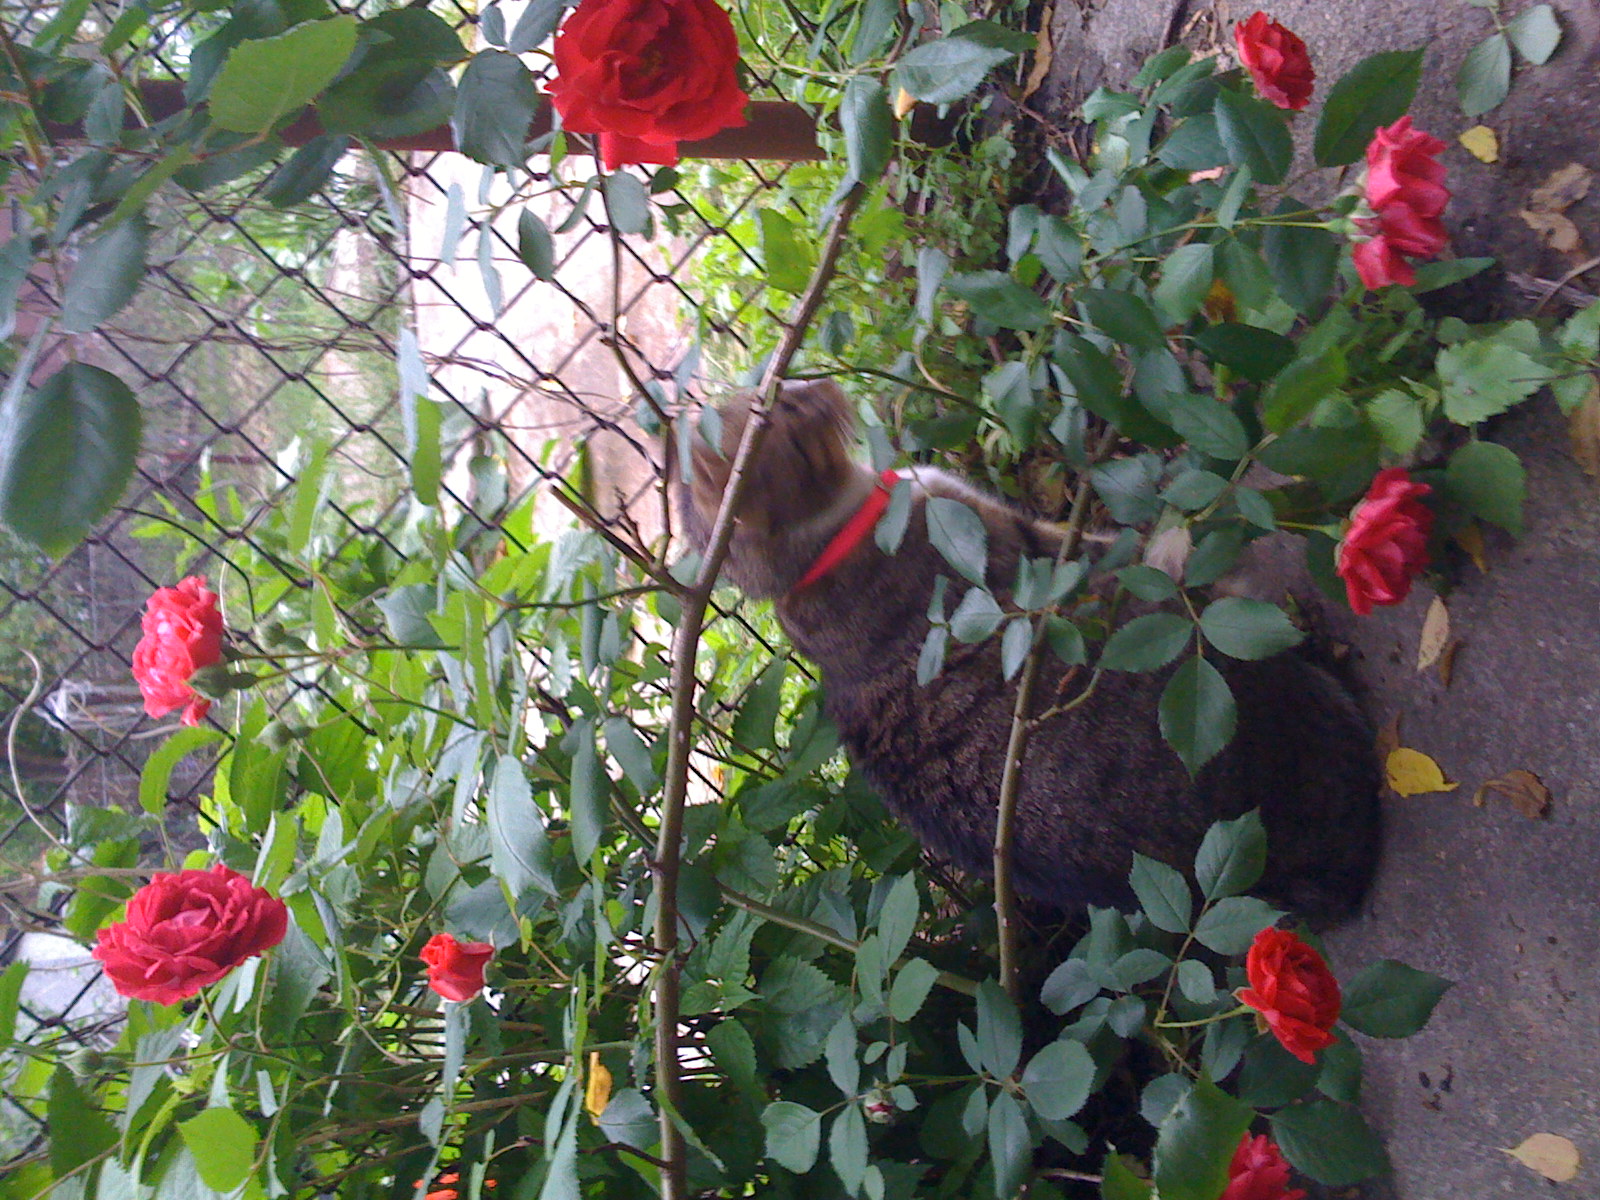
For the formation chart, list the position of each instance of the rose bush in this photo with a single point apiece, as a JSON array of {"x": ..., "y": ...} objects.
[
  {"x": 1277, "y": 60},
  {"x": 182, "y": 634},
  {"x": 646, "y": 75},
  {"x": 1258, "y": 1172},
  {"x": 1293, "y": 990},
  {"x": 1386, "y": 546},
  {"x": 1405, "y": 189},
  {"x": 187, "y": 929},
  {"x": 455, "y": 969}
]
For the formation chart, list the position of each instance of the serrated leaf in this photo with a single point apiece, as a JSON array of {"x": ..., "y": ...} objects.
[
  {"x": 1015, "y": 644},
  {"x": 224, "y": 1147},
  {"x": 157, "y": 770},
  {"x": 1186, "y": 277},
  {"x": 868, "y": 128},
  {"x": 1163, "y": 894},
  {"x": 1009, "y": 1145},
  {"x": 995, "y": 297},
  {"x": 67, "y": 451},
  {"x": 79, "y": 1132},
  {"x": 1329, "y": 1142},
  {"x": 1122, "y": 316},
  {"x": 930, "y": 659},
  {"x": 1376, "y": 91},
  {"x": 1195, "y": 982},
  {"x": 1488, "y": 479},
  {"x": 999, "y": 1031},
  {"x": 1197, "y": 713},
  {"x": 1146, "y": 643},
  {"x": 1231, "y": 924},
  {"x": 1484, "y": 78},
  {"x": 842, "y": 1057},
  {"x": 519, "y": 847},
  {"x": 948, "y": 68},
  {"x": 1388, "y": 999},
  {"x": 266, "y": 79},
  {"x": 1069, "y": 986},
  {"x": 1248, "y": 629},
  {"x": 912, "y": 983},
  {"x": 794, "y": 1135},
  {"x": 959, "y": 535},
  {"x": 1058, "y": 1079},
  {"x": 1255, "y": 135},
  {"x": 976, "y": 617},
  {"x": 1484, "y": 377},
  {"x": 1196, "y": 1142},
  {"x": 108, "y": 273},
  {"x": 897, "y": 920},
  {"x": 847, "y": 1147},
  {"x": 495, "y": 102},
  {"x": 535, "y": 247}
]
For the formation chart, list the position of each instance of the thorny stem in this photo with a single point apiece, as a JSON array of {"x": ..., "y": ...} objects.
[
  {"x": 680, "y": 730},
  {"x": 1005, "y": 895}
]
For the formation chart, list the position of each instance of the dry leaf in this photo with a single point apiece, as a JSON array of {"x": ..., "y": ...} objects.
[
  {"x": 597, "y": 1091},
  {"x": 1044, "y": 56},
  {"x": 1558, "y": 232},
  {"x": 1550, "y": 1154},
  {"x": 1563, "y": 188},
  {"x": 1447, "y": 661},
  {"x": 1435, "y": 633},
  {"x": 1482, "y": 143},
  {"x": 1219, "y": 306},
  {"x": 1470, "y": 539},
  {"x": 1583, "y": 426},
  {"x": 1413, "y": 773},
  {"x": 904, "y": 102},
  {"x": 1525, "y": 790}
]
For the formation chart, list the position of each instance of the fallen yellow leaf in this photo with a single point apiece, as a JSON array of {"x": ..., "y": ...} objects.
[
  {"x": 1044, "y": 56},
  {"x": 597, "y": 1090},
  {"x": 1413, "y": 773},
  {"x": 1525, "y": 790},
  {"x": 1550, "y": 1154},
  {"x": 1435, "y": 633},
  {"x": 1470, "y": 539},
  {"x": 904, "y": 102},
  {"x": 1482, "y": 143},
  {"x": 1562, "y": 188},
  {"x": 1558, "y": 232}
]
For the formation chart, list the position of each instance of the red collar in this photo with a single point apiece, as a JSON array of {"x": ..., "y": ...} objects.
[{"x": 855, "y": 529}]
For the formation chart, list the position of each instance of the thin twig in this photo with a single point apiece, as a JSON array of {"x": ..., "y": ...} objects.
[
  {"x": 1005, "y": 896},
  {"x": 680, "y": 730}
]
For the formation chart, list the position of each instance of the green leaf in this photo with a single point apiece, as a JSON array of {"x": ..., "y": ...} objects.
[
  {"x": 1194, "y": 145},
  {"x": 224, "y": 1147},
  {"x": 1484, "y": 77},
  {"x": 731, "y": 1045},
  {"x": 11, "y": 980},
  {"x": 1195, "y": 982},
  {"x": 266, "y": 79},
  {"x": 1302, "y": 259},
  {"x": 590, "y": 798},
  {"x": 787, "y": 259},
  {"x": 519, "y": 848},
  {"x": 1255, "y": 135},
  {"x": 1340, "y": 1075},
  {"x": 1210, "y": 427},
  {"x": 1010, "y": 392},
  {"x": 627, "y": 202},
  {"x": 1194, "y": 490},
  {"x": 1399, "y": 419},
  {"x": 995, "y": 297},
  {"x": 1197, "y": 713},
  {"x": 959, "y": 534},
  {"x": 389, "y": 98},
  {"x": 868, "y": 128},
  {"x": 897, "y": 920},
  {"x": 495, "y": 102},
  {"x": 948, "y": 68},
  {"x": 1489, "y": 481},
  {"x": 1163, "y": 894},
  {"x": 1127, "y": 487},
  {"x": 1388, "y": 999},
  {"x": 1329, "y": 1142},
  {"x": 1253, "y": 352},
  {"x": 67, "y": 451},
  {"x": 1058, "y": 1079},
  {"x": 1146, "y": 643},
  {"x": 79, "y": 1132},
  {"x": 1186, "y": 278},
  {"x": 1248, "y": 629},
  {"x": 1122, "y": 316},
  {"x": 1015, "y": 645},
  {"x": 535, "y": 247},
  {"x": 307, "y": 170},
  {"x": 157, "y": 770},
  {"x": 1270, "y": 1077},
  {"x": 1232, "y": 856},
  {"x": 537, "y": 22},
  {"x": 1231, "y": 924},
  {"x": 1010, "y": 1148},
  {"x": 976, "y": 617},
  {"x": 1148, "y": 583},
  {"x": 1195, "y": 1143},
  {"x": 1483, "y": 377},
  {"x": 108, "y": 273},
  {"x": 1118, "y": 1182},
  {"x": 930, "y": 659},
  {"x": 794, "y": 1135},
  {"x": 999, "y": 1031},
  {"x": 1535, "y": 33},
  {"x": 1376, "y": 91},
  {"x": 843, "y": 1059},
  {"x": 847, "y": 1147},
  {"x": 912, "y": 983}
]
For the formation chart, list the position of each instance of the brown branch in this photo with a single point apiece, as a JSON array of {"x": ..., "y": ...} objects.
[
  {"x": 1005, "y": 896},
  {"x": 680, "y": 730}
]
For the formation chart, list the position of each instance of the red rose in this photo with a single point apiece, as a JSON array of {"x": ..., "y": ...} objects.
[
  {"x": 1379, "y": 264},
  {"x": 182, "y": 633},
  {"x": 1405, "y": 189},
  {"x": 1386, "y": 546},
  {"x": 1276, "y": 59},
  {"x": 455, "y": 970},
  {"x": 646, "y": 75},
  {"x": 186, "y": 929},
  {"x": 1258, "y": 1172},
  {"x": 1292, "y": 988}
]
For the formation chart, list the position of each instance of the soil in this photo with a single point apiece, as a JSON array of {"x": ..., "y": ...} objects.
[{"x": 1503, "y": 904}]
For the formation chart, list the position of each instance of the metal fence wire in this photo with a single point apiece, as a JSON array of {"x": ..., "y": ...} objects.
[{"x": 267, "y": 340}]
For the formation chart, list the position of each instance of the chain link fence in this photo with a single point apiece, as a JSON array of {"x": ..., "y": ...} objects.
[{"x": 280, "y": 350}]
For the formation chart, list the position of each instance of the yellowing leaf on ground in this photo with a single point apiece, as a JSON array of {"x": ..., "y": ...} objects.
[
  {"x": 1583, "y": 425},
  {"x": 1044, "y": 56},
  {"x": 1557, "y": 231},
  {"x": 1550, "y": 1154},
  {"x": 1435, "y": 634},
  {"x": 1447, "y": 662},
  {"x": 1413, "y": 773},
  {"x": 1562, "y": 188},
  {"x": 597, "y": 1090},
  {"x": 1482, "y": 143},
  {"x": 1525, "y": 790},
  {"x": 1470, "y": 539}
]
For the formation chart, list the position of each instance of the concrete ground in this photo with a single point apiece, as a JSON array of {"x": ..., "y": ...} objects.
[{"x": 1505, "y": 905}]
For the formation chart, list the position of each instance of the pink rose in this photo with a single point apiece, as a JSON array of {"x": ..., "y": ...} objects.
[
  {"x": 1386, "y": 546},
  {"x": 187, "y": 929},
  {"x": 182, "y": 633},
  {"x": 1379, "y": 264},
  {"x": 455, "y": 970},
  {"x": 1405, "y": 189},
  {"x": 1276, "y": 59},
  {"x": 646, "y": 75},
  {"x": 1258, "y": 1172}
]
